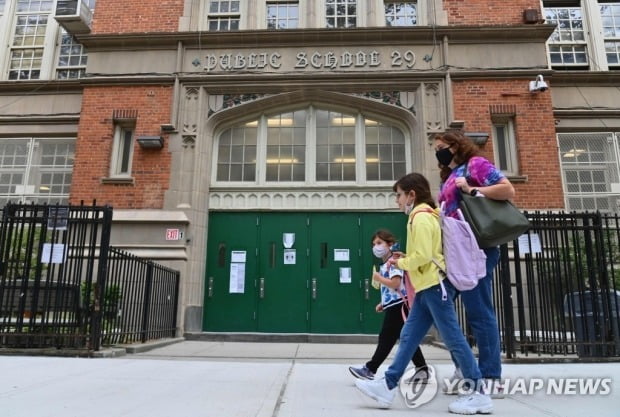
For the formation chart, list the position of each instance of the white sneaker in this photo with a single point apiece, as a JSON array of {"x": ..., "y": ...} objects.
[
  {"x": 451, "y": 386},
  {"x": 472, "y": 404},
  {"x": 377, "y": 390}
]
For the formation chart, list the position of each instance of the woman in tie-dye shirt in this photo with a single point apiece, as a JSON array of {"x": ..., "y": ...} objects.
[{"x": 462, "y": 168}]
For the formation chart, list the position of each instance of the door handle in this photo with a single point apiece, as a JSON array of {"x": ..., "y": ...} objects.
[
  {"x": 210, "y": 287},
  {"x": 366, "y": 288},
  {"x": 261, "y": 287},
  {"x": 314, "y": 288}
]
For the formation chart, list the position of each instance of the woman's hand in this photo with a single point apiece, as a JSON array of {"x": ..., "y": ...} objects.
[
  {"x": 379, "y": 308},
  {"x": 376, "y": 277},
  {"x": 461, "y": 183}
]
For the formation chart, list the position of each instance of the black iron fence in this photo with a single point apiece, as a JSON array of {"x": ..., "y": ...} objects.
[
  {"x": 140, "y": 300},
  {"x": 557, "y": 288},
  {"x": 63, "y": 286}
]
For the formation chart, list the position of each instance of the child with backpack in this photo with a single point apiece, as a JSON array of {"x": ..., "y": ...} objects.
[
  {"x": 393, "y": 295},
  {"x": 433, "y": 304}
]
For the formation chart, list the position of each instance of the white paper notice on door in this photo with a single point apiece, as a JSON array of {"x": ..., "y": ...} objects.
[
  {"x": 237, "y": 256},
  {"x": 53, "y": 253},
  {"x": 345, "y": 275},
  {"x": 237, "y": 278},
  {"x": 290, "y": 256},
  {"x": 341, "y": 255}
]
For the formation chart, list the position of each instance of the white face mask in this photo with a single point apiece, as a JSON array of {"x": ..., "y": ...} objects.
[
  {"x": 380, "y": 251},
  {"x": 407, "y": 209}
]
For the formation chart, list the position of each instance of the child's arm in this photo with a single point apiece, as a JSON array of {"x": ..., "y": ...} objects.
[{"x": 392, "y": 283}]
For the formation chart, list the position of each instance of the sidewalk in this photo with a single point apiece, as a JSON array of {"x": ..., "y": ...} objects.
[{"x": 197, "y": 378}]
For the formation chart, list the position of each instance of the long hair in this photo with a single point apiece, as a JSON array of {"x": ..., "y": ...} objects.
[
  {"x": 385, "y": 235},
  {"x": 418, "y": 183},
  {"x": 464, "y": 149}
]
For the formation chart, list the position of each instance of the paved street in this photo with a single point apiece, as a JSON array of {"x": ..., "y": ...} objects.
[{"x": 199, "y": 378}]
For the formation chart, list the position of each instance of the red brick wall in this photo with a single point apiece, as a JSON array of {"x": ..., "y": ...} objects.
[
  {"x": 150, "y": 168},
  {"x": 134, "y": 16},
  {"x": 487, "y": 12},
  {"x": 534, "y": 130}
]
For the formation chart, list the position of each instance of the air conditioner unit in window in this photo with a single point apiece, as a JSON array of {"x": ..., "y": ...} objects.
[{"x": 74, "y": 16}]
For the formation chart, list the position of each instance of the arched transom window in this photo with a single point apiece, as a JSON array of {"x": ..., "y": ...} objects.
[{"x": 311, "y": 146}]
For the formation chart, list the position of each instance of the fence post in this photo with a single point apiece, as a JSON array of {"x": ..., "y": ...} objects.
[
  {"x": 147, "y": 299},
  {"x": 102, "y": 273},
  {"x": 509, "y": 321}
]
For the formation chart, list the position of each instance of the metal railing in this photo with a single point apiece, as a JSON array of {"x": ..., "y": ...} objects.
[
  {"x": 140, "y": 300},
  {"x": 63, "y": 286},
  {"x": 557, "y": 288}
]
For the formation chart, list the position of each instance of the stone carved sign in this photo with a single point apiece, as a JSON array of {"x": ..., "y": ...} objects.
[{"x": 342, "y": 59}]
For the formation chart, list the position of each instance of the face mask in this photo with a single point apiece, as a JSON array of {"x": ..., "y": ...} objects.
[
  {"x": 380, "y": 251},
  {"x": 407, "y": 209},
  {"x": 444, "y": 156}
]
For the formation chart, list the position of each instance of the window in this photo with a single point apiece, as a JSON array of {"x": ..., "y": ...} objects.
[
  {"x": 286, "y": 147},
  {"x": 402, "y": 13},
  {"x": 36, "y": 169},
  {"x": 122, "y": 150},
  {"x": 504, "y": 146},
  {"x": 311, "y": 145},
  {"x": 2, "y": 2},
  {"x": 590, "y": 169},
  {"x": 236, "y": 159},
  {"x": 385, "y": 152},
  {"x": 341, "y": 13},
  {"x": 71, "y": 58},
  {"x": 567, "y": 44},
  {"x": 283, "y": 15},
  {"x": 224, "y": 15},
  {"x": 610, "y": 19},
  {"x": 27, "y": 47}
]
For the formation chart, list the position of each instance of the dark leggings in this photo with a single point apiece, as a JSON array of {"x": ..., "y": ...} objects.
[{"x": 390, "y": 332}]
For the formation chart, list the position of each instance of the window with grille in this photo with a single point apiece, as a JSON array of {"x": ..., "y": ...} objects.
[
  {"x": 72, "y": 57},
  {"x": 311, "y": 145},
  {"x": 401, "y": 13},
  {"x": 341, "y": 13},
  {"x": 283, "y": 15},
  {"x": 567, "y": 44},
  {"x": 590, "y": 169},
  {"x": 36, "y": 169},
  {"x": 224, "y": 15},
  {"x": 610, "y": 20}
]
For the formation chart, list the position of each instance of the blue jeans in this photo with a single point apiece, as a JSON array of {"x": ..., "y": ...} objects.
[
  {"x": 478, "y": 304},
  {"x": 429, "y": 308}
]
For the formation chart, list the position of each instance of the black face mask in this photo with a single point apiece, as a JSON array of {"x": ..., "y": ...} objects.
[{"x": 444, "y": 156}]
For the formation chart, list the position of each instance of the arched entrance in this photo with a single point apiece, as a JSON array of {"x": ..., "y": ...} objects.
[{"x": 295, "y": 196}]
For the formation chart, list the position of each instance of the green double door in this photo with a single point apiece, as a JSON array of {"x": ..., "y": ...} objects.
[{"x": 283, "y": 272}]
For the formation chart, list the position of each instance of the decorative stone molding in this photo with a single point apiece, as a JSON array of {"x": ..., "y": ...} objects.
[
  {"x": 404, "y": 99},
  {"x": 227, "y": 101},
  {"x": 190, "y": 109},
  {"x": 308, "y": 199},
  {"x": 188, "y": 142},
  {"x": 433, "y": 108}
]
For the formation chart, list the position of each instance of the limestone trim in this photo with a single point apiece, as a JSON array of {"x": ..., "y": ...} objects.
[{"x": 337, "y": 199}]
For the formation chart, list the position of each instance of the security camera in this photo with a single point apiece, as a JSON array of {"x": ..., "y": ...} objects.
[{"x": 539, "y": 85}]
